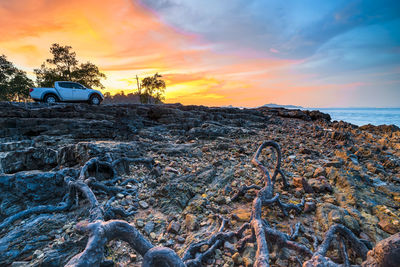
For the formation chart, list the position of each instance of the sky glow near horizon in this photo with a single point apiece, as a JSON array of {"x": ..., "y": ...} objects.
[{"x": 222, "y": 52}]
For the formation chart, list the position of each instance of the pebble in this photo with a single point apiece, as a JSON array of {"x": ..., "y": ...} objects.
[
  {"x": 309, "y": 207},
  {"x": 236, "y": 258},
  {"x": 180, "y": 239},
  {"x": 247, "y": 262},
  {"x": 149, "y": 227},
  {"x": 203, "y": 248},
  {"x": 170, "y": 243},
  {"x": 139, "y": 223},
  {"x": 143, "y": 204},
  {"x": 242, "y": 215},
  {"x": 132, "y": 257}
]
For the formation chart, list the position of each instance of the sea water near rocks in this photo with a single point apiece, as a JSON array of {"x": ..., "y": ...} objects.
[{"x": 363, "y": 116}]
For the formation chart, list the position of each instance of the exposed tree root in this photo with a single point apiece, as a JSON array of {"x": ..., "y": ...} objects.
[
  {"x": 112, "y": 212},
  {"x": 101, "y": 232},
  {"x": 344, "y": 233},
  {"x": 72, "y": 187},
  {"x": 107, "y": 189},
  {"x": 215, "y": 241},
  {"x": 161, "y": 256},
  {"x": 263, "y": 234},
  {"x": 266, "y": 194},
  {"x": 82, "y": 185},
  {"x": 243, "y": 190},
  {"x": 63, "y": 206}
]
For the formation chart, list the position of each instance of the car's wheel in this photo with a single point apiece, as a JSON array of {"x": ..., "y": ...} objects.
[
  {"x": 50, "y": 99},
  {"x": 95, "y": 100}
]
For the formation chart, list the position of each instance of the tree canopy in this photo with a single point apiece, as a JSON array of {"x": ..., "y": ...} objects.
[
  {"x": 64, "y": 66},
  {"x": 154, "y": 88},
  {"x": 14, "y": 84}
]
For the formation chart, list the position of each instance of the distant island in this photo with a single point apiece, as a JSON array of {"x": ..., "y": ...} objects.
[{"x": 272, "y": 105}]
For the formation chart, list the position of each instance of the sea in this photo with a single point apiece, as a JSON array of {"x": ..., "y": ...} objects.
[{"x": 363, "y": 116}]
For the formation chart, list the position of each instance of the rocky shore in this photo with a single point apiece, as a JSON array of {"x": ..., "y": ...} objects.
[{"x": 176, "y": 172}]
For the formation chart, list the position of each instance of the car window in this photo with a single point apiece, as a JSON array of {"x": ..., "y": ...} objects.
[
  {"x": 65, "y": 85},
  {"x": 76, "y": 86}
]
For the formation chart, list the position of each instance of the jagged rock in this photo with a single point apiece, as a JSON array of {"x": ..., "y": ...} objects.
[
  {"x": 388, "y": 220},
  {"x": 34, "y": 186},
  {"x": 320, "y": 184},
  {"x": 79, "y": 153},
  {"x": 385, "y": 253},
  {"x": 329, "y": 214},
  {"x": 340, "y": 135},
  {"x": 29, "y": 159},
  {"x": 174, "y": 227},
  {"x": 320, "y": 171},
  {"x": 22, "y": 241},
  {"x": 300, "y": 182},
  {"x": 143, "y": 204},
  {"x": 201, "y": 158},
  {"x": 191, "y": 222},
  {"x": 309, "y": 207},
  {"x": 296, "y": 113},
  {"x": 149, "y": 227},
  {"x": 208, "y": 131},
  {"x": 237, "y": 259},
  {"x": 386, "y": 129}
]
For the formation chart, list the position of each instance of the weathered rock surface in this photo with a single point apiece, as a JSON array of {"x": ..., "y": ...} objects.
[
  {"x": 346, "y": 174},
  {"x": 385, "y": 253}
]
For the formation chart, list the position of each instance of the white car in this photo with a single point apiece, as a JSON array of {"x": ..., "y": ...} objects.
[{"x": 66, "y": 92}]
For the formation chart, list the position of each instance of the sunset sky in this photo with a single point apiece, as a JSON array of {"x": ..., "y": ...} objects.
[{"x": 330, "y": 53}]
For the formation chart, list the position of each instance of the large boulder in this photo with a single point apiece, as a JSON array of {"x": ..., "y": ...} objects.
[
  {"x": 385, "y": 254},
  {"x": 29, "y": 159}
]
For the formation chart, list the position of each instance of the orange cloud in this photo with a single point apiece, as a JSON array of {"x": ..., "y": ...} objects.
[{"x": 125, "y": 39}]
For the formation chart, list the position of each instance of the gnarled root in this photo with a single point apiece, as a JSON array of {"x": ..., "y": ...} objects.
[
  {"x": 263, "y": 233},
  {"x": 266, "y": 194},
  {"x": 215, "y": 241},
  {"x": 319, "y": 256},
  {"x": 243, "y": 190},
  {"x": 100, "y": 233},
  {"x": 162, "y": 257}
]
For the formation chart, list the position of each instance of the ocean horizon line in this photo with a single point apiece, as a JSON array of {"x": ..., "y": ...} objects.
[{"x": 353, "y": 107}]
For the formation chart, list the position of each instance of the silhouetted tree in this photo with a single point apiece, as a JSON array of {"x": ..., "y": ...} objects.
[
  {"x": 65, "y": 67},
  {"x": 154, "y": 88},
  {"x": 14, "y": 84}
]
